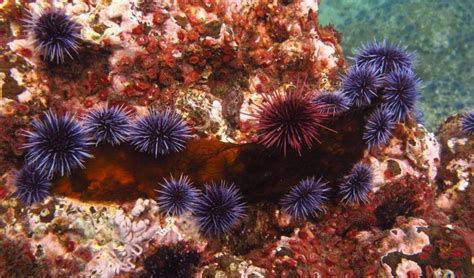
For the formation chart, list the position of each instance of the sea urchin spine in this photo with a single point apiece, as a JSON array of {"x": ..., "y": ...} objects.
[
  {"x": 159, "y": 132},
  {"x": 468, "y": 123},
  {"x": 378, "y": 130},
  {"x": 306, "y": 198},
  {"x": 291, "y": 120},
  {"x": 385, "y": 57},
  {"x": 400, "y": 93},
  {"x": 361, "y": 85},
  {"x": 335, "y": 103},
  {"x": 57, "y": 144},
  {"x": 108, "y": 124},
  {"x": 357, "y": 185},
  {"x": 54, "y": 34},
  {"x": 219, "y": 208},
  {"x": 32, "y": 186},
  {"x": 177, "y": 196}
]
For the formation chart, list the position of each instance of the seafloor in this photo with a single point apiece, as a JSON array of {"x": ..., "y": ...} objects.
[{"x": 218, "y": 65}]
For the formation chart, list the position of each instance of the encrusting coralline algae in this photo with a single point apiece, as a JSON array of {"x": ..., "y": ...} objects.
[{"x": 245, "y": 102}]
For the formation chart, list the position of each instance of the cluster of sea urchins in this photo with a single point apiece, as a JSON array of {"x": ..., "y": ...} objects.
[
  {"x": 217, "y": 210},
  {"x": 58, "y": 144},
  {"x": 307, "y": 197},
  {"x": 220, "y": 207},
  {"x": 382, "y": 77}
]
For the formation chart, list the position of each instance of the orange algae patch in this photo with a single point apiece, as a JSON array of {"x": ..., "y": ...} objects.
[{"x": 121, "y": 173}]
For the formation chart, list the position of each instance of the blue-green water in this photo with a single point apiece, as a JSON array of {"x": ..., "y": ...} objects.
[{"x": 440, "y": 31}]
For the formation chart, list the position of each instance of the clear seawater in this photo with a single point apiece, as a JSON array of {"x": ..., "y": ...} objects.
[{"x": 440, "y": 31}]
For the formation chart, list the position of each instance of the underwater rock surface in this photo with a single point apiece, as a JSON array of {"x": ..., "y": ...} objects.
[{"x": 214, "y": 63}]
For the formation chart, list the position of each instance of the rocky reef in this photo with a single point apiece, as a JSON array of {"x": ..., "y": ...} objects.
[{"x": 228, "y": 75}]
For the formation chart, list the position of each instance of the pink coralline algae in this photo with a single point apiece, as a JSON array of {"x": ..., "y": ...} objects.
[{"x": 157, "y": 56}]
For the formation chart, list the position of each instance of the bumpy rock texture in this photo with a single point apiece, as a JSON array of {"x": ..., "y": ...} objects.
[{"x": 212, "y": 61}]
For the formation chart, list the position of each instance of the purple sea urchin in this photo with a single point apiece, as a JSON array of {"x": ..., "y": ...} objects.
[
  {"x": 356, "y": 186},
  {"x": 159, "y": 132},
  {"x": 378, "y": 130},
  {"x": 54, "y": 34},
  {"x": 290, "y": 120},
  {"x": 306, "y": 198},
  {"x": 177, "y": 196},
  {"x": 219, "y": 208},
  {"x": 361, "y": 84},
  {"x": 384, "y": 57},
  {"x": 108, "y": 124},
  {"x": 32, "y": 186},
  {"x": 468, "y": 123},
  {"x": 335, "y": 103},
  {"x": 400, "y": 93},
  {"x": 56, "y": 144}
]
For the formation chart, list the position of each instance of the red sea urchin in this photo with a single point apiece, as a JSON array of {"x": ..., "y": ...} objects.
[{"x": 291, "y": 119}]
